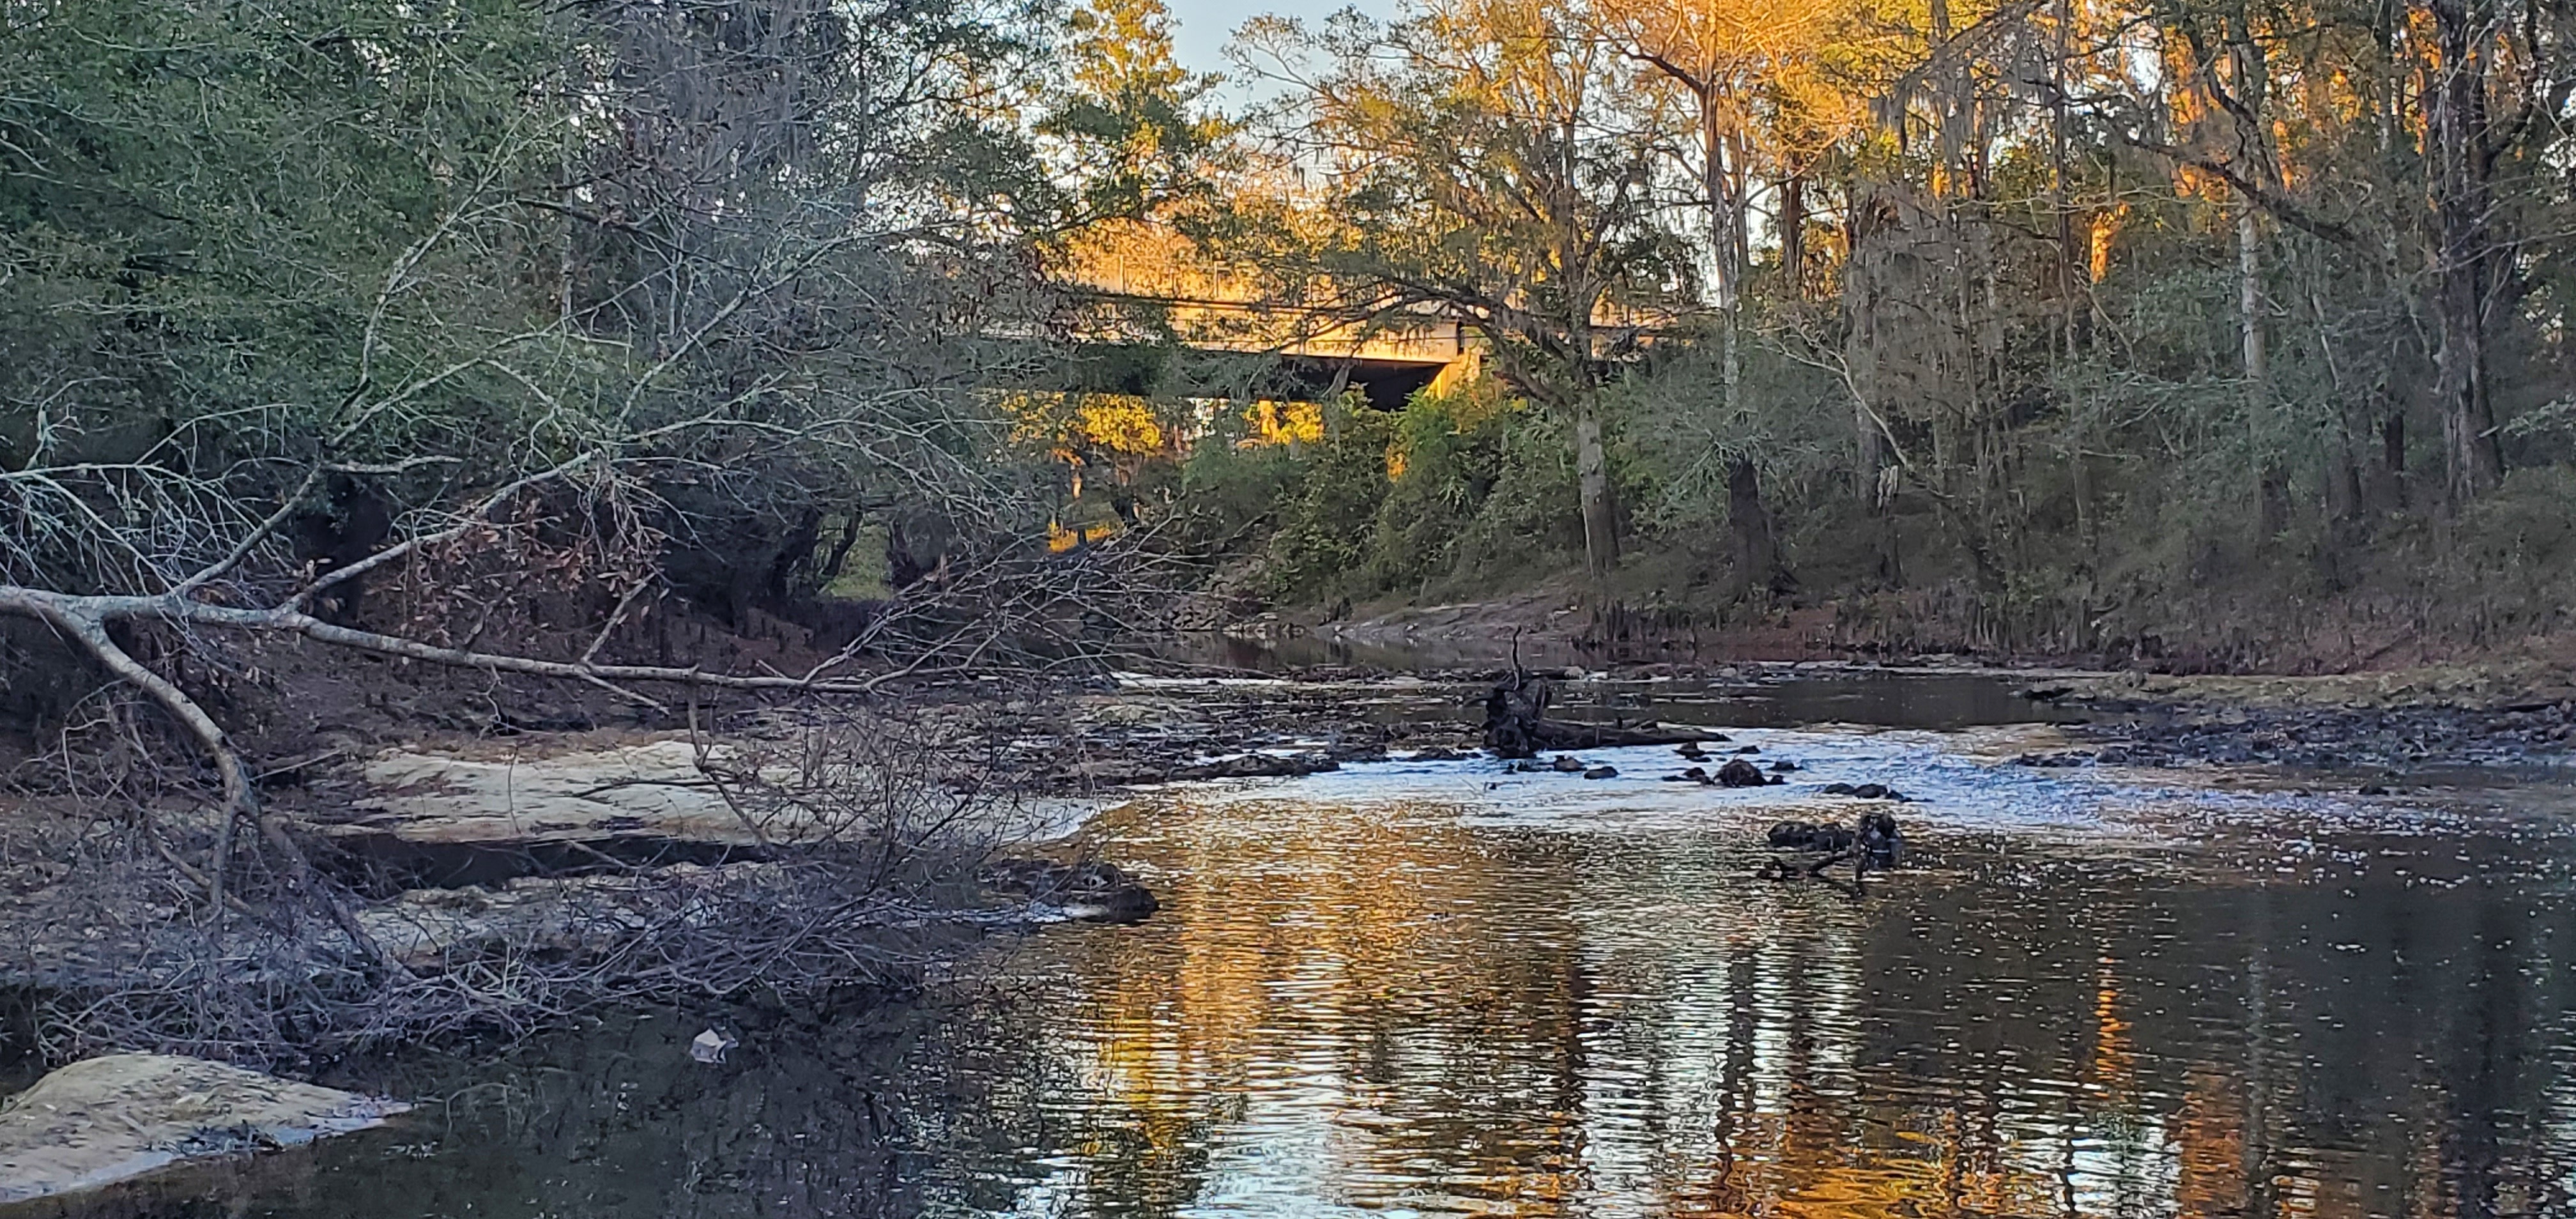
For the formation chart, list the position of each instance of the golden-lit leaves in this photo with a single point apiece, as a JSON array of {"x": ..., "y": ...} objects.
[
  {"x": 1081, "y": 427},
  {"x": 1788, "y": 73},
  {"x": 2101, "y": 228},
  {"x": 1268, "y": 423},
  {"x": 1060, "y": 538}
]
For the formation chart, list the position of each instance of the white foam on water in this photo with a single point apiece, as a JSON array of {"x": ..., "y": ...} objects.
[{"x": 1960, "y": 780}]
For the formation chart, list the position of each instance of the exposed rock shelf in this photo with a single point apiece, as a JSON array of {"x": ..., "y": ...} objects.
[{"x": 104, "y": 1120}]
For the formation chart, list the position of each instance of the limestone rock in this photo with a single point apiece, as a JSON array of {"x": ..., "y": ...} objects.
[{"x": 103, "y": 1120}]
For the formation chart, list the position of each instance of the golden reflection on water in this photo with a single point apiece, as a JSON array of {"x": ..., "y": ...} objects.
[{"x": 1386, "y": 1010}]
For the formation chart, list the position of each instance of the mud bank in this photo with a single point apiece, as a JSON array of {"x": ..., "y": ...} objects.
[
  {"x": 2393, "y": 724},
  {"x": 2387, "y": 723}
]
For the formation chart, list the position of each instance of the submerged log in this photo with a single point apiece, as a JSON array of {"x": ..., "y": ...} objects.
[
  {"x": 1517, "y": 725},
  {"x": 1089, "y": 889}
]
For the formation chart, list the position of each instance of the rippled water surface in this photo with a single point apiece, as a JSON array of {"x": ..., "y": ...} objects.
[{"x": 1436, "y": 989}]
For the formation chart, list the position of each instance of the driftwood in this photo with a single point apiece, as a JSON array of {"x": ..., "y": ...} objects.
[{"x": 1517, "y": 725}]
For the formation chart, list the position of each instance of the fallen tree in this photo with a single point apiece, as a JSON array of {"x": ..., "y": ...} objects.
[
  {"x": 558, "y": 315},
  {"x": 423, "y": 360},
  {"x": 1517, "y": 724},
  {"x": 876, "y": 848}
]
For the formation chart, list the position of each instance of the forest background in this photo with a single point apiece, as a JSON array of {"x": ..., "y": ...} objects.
[
  {"x": 2187, "y": 331},
  {"x": 2207, "y": 334},
  {"x": 373, "y": 372}
]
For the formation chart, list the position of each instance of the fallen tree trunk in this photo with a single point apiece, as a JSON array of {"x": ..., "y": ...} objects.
[
  {"x": 82, "y": 621},
  {"x": 1570, "y": 734},
  {"x": 1517, "y": 724}
]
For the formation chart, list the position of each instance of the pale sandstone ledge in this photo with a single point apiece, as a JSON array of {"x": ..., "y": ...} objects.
[
  {"x": 653, "y": 787},
  {"x": 104, "y": 1120}
]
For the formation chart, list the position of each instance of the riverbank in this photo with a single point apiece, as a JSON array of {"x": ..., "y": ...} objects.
[
  {"x": 405, "y": 825},
  {"x": 2094, "y": 959},
  {"x": 2511, "y": 713},
  {"x": 470, "y": 853}
]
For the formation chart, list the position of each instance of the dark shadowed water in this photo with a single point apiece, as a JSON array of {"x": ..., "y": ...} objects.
[{"x": 1436, "y": 989}]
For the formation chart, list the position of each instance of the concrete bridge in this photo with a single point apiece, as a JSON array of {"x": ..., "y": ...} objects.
[
  {"x": 1136, "y": 273},
  {"x": 1310, "y": 354}
]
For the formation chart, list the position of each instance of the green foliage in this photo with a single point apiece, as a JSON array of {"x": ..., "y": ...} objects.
[
  {"x": 201, "y": 209},
  {"x": 239, "y": 243},
  {"x": 1790, "y": 419},
  {"x": 2064, "y": 365},
  {"x": 1131, "y": 133},
  {"x": 1322, "y": 543},
  {"x": 1487, "y": 491},
  {"x": 1231, "y": 496},
  {"x": 1457, "y": 491},
  {"x": 735, "y": 271}
]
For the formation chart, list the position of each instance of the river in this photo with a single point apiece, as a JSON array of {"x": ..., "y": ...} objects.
[{"x": 1438, "y": 989}]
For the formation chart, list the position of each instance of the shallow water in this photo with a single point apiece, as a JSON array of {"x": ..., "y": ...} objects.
[{"x": 1436, "y": 988}]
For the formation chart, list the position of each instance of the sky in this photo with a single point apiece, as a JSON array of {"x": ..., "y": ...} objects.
[{"x": 1202, "y": 27}]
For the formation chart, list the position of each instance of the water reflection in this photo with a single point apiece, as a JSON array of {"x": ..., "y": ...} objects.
[
  {"x": 1374, "y": 1009},
  {"x": 1394, "y": 1007},
  {"x": 1771, "y": 697}
]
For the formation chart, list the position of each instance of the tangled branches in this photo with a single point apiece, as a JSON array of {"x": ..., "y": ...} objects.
[
  {"x": 533, "y": 341},
  {"x": 856, "y": 869}
]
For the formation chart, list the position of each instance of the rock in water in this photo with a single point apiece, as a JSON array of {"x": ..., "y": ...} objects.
[
  {"x": 1602, "y": 772},
  {"x": 1740, "y": 773},
  {"x": 1881, "y": 845},
  {"x": 1877, "y": 846},
  {"x": 1866, "y": 791},
  {"x": 1565, "y": 765},
  {"x": 109, "y": 1119}
]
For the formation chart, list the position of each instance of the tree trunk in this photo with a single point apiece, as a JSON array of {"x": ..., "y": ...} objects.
[
  {"x": 1516, "y": 724},
  {"x": 2465, "y": 252},
  {"x": 2249, "y": 309},
  {"x": 1793, "y": 236},
  {"x": 1757, "y": 549},
  {"x": 2391, "y": 476},
  {"x": 2346, "y": 503},
  {"x": 1726, "y": 244},
  {"x": 1860, "y": 346},
  {"x": 1861, "y": 295},
  {"x": 1600, "y": 512},
  {"x": 2272, "y": 490},
  {"x": 2272, "y": 496}
]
